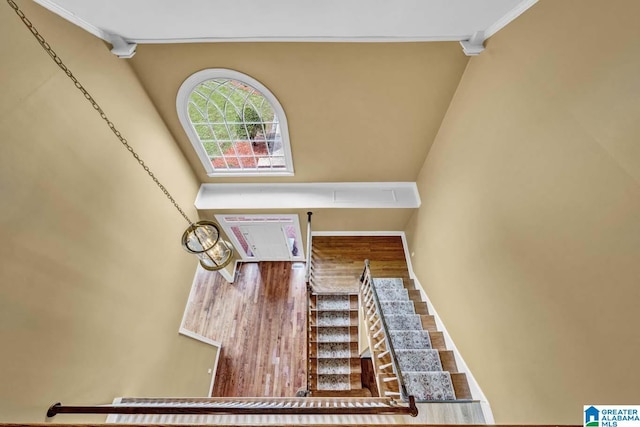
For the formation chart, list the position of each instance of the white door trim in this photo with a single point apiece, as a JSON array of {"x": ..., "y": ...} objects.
[{"x": 226, "y": 226}]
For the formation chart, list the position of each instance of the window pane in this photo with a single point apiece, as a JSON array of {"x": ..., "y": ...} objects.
[
  {"x": 242, "y": 241},
  {"x": 292, "y": 238},
  {"x": 236, "y": 125}
]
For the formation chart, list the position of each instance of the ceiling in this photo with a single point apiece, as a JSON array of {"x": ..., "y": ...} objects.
[
  {"x": 165, "y": 21},
  {"x": 357, "y": 112}
]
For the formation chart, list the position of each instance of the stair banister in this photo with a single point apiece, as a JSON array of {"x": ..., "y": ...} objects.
[
  {"x": 308, "y": 281},
  {"x": 308, "y": 274},
  {"x": 366, "y": 275},
  {"x": 245, "y": 406},
  {"x": 308, "y": 336}
]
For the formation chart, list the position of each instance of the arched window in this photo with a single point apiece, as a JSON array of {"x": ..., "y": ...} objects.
[{"x": 235, "y": 124}]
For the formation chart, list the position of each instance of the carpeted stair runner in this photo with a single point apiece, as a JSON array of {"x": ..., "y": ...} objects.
[
  {"x": 419, "y": 364},
  {"x": 334, "y": 334},
  {"x": 333, "y": 370},
  {"x": 404, "y": 322}
]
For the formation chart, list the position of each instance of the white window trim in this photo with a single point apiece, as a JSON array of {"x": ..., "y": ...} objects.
[{"x": 182, "y": 107}]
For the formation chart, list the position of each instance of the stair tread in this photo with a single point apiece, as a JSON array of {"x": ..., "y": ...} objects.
[
  {"x": 388, "y": 283},
  {"x": 397, "y": 307},
  {"x": 334, "y": 382},
  {"x": 333, "y": 318},
  {"x": 427, "y": 360},
  {"x": 416, "y": 339},
  {"x": 332, "y": 302},
  {"x": 403, "y": 322},
  {"x": 426, "y": 386},
  {"x": 333, "y": 334},
  {"x": 392, "y": 294},
  {"x": 334, "y": 350},
  {"x": 334, "y": 366}
]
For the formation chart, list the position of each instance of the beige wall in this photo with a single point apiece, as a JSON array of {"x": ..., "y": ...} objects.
[
  {"x": 93, "y": 280},
  {"x": 335, "y": 219},
  {"x": 528, "y": 238},
  {"x": 356, "y": 111}
]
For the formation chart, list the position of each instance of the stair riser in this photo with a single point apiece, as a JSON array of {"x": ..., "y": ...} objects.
[
  {"x": 352, "y": 298},
  {"x": 354, "y": 365},
  {"x": 317, "y": 319},
  {"x": 320, "y": 382},
  {"x": 316, "y": 333}
]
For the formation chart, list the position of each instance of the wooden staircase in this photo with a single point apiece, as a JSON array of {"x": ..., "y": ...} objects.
[
  {"x": 335, "y": 368},
  {"x": 336, "y": 266},
  {"x": 403, "y": 337}
]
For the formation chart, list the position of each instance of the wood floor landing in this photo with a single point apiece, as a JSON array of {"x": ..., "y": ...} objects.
[
  {"x": 338, "y": 261},
  {"x": 260, "y": 322}
]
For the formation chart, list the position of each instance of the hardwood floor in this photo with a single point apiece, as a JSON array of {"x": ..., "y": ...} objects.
[
  {"x": 260, "y": 322},
  {"x": 338, "y": 261},
  {"x": 260, "y": 319}
]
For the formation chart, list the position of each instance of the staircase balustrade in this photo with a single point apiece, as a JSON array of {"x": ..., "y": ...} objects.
[
  {"x": 246, "y": 406},
  {"x": 392, "y": 317},
  {"x": 380, "y": 339},
  {"x": 309, "y": 249},
  {"x": 309, "y": 290}
]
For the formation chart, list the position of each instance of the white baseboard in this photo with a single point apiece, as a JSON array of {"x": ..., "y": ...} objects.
[
  {"x": 187, "y": 333},
  {"x": 191, "y": 292},
  {"x": 227, "y": 276},
  {"x": 199, "y": 337},
  {"x": 357, "y": 233},
  {"x": 476, "y": 391},
  {"x": 212, "y": 343}
]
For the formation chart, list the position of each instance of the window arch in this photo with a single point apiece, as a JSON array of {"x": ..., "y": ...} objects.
[{"x": 235, "y": 124}]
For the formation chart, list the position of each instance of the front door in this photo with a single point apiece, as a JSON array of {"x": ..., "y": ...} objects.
[{"x": 264, "y": 237}]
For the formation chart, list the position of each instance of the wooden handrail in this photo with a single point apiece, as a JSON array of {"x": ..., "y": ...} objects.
[
  {"x": 308, "y": 336},
  {"x": 308, "y": 274},
  {"x": 246, "y": 406},
  {"x": 309, "y": 289},
  {"x": 342, "y": 424}
]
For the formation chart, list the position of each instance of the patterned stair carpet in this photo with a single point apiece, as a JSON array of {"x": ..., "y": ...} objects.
[
  {"x": 333, "y": 342},
  {"x": 419, "y": 364}
]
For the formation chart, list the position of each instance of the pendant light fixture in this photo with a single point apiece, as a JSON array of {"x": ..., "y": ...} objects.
[{"x": 201, "y": 238}]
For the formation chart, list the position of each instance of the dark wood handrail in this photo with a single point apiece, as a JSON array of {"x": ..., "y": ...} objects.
[
  {"x": 308, "y": 282},
  {"x": 260, "y": 425},
  {"x": 247, "y": 406},
  {"x": 308, "y": 337},
  {"x": 309, "y": 248}
]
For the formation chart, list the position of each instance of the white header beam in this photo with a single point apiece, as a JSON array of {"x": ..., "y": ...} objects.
[{"x": 309, "y": 195}]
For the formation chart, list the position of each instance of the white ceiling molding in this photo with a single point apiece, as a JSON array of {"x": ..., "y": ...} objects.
[
  {"x": 508, "y": 17},
  {"x": 316, "y": 195},
  {"x": 60, "y": 9},
  {"x": 166, "y": 21},
  {"x": 120, "y": 47},
  {"x": 475, "y": 45}
]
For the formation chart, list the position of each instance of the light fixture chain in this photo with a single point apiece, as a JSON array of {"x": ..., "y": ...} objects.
[{"x": 94, "y": 104}]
